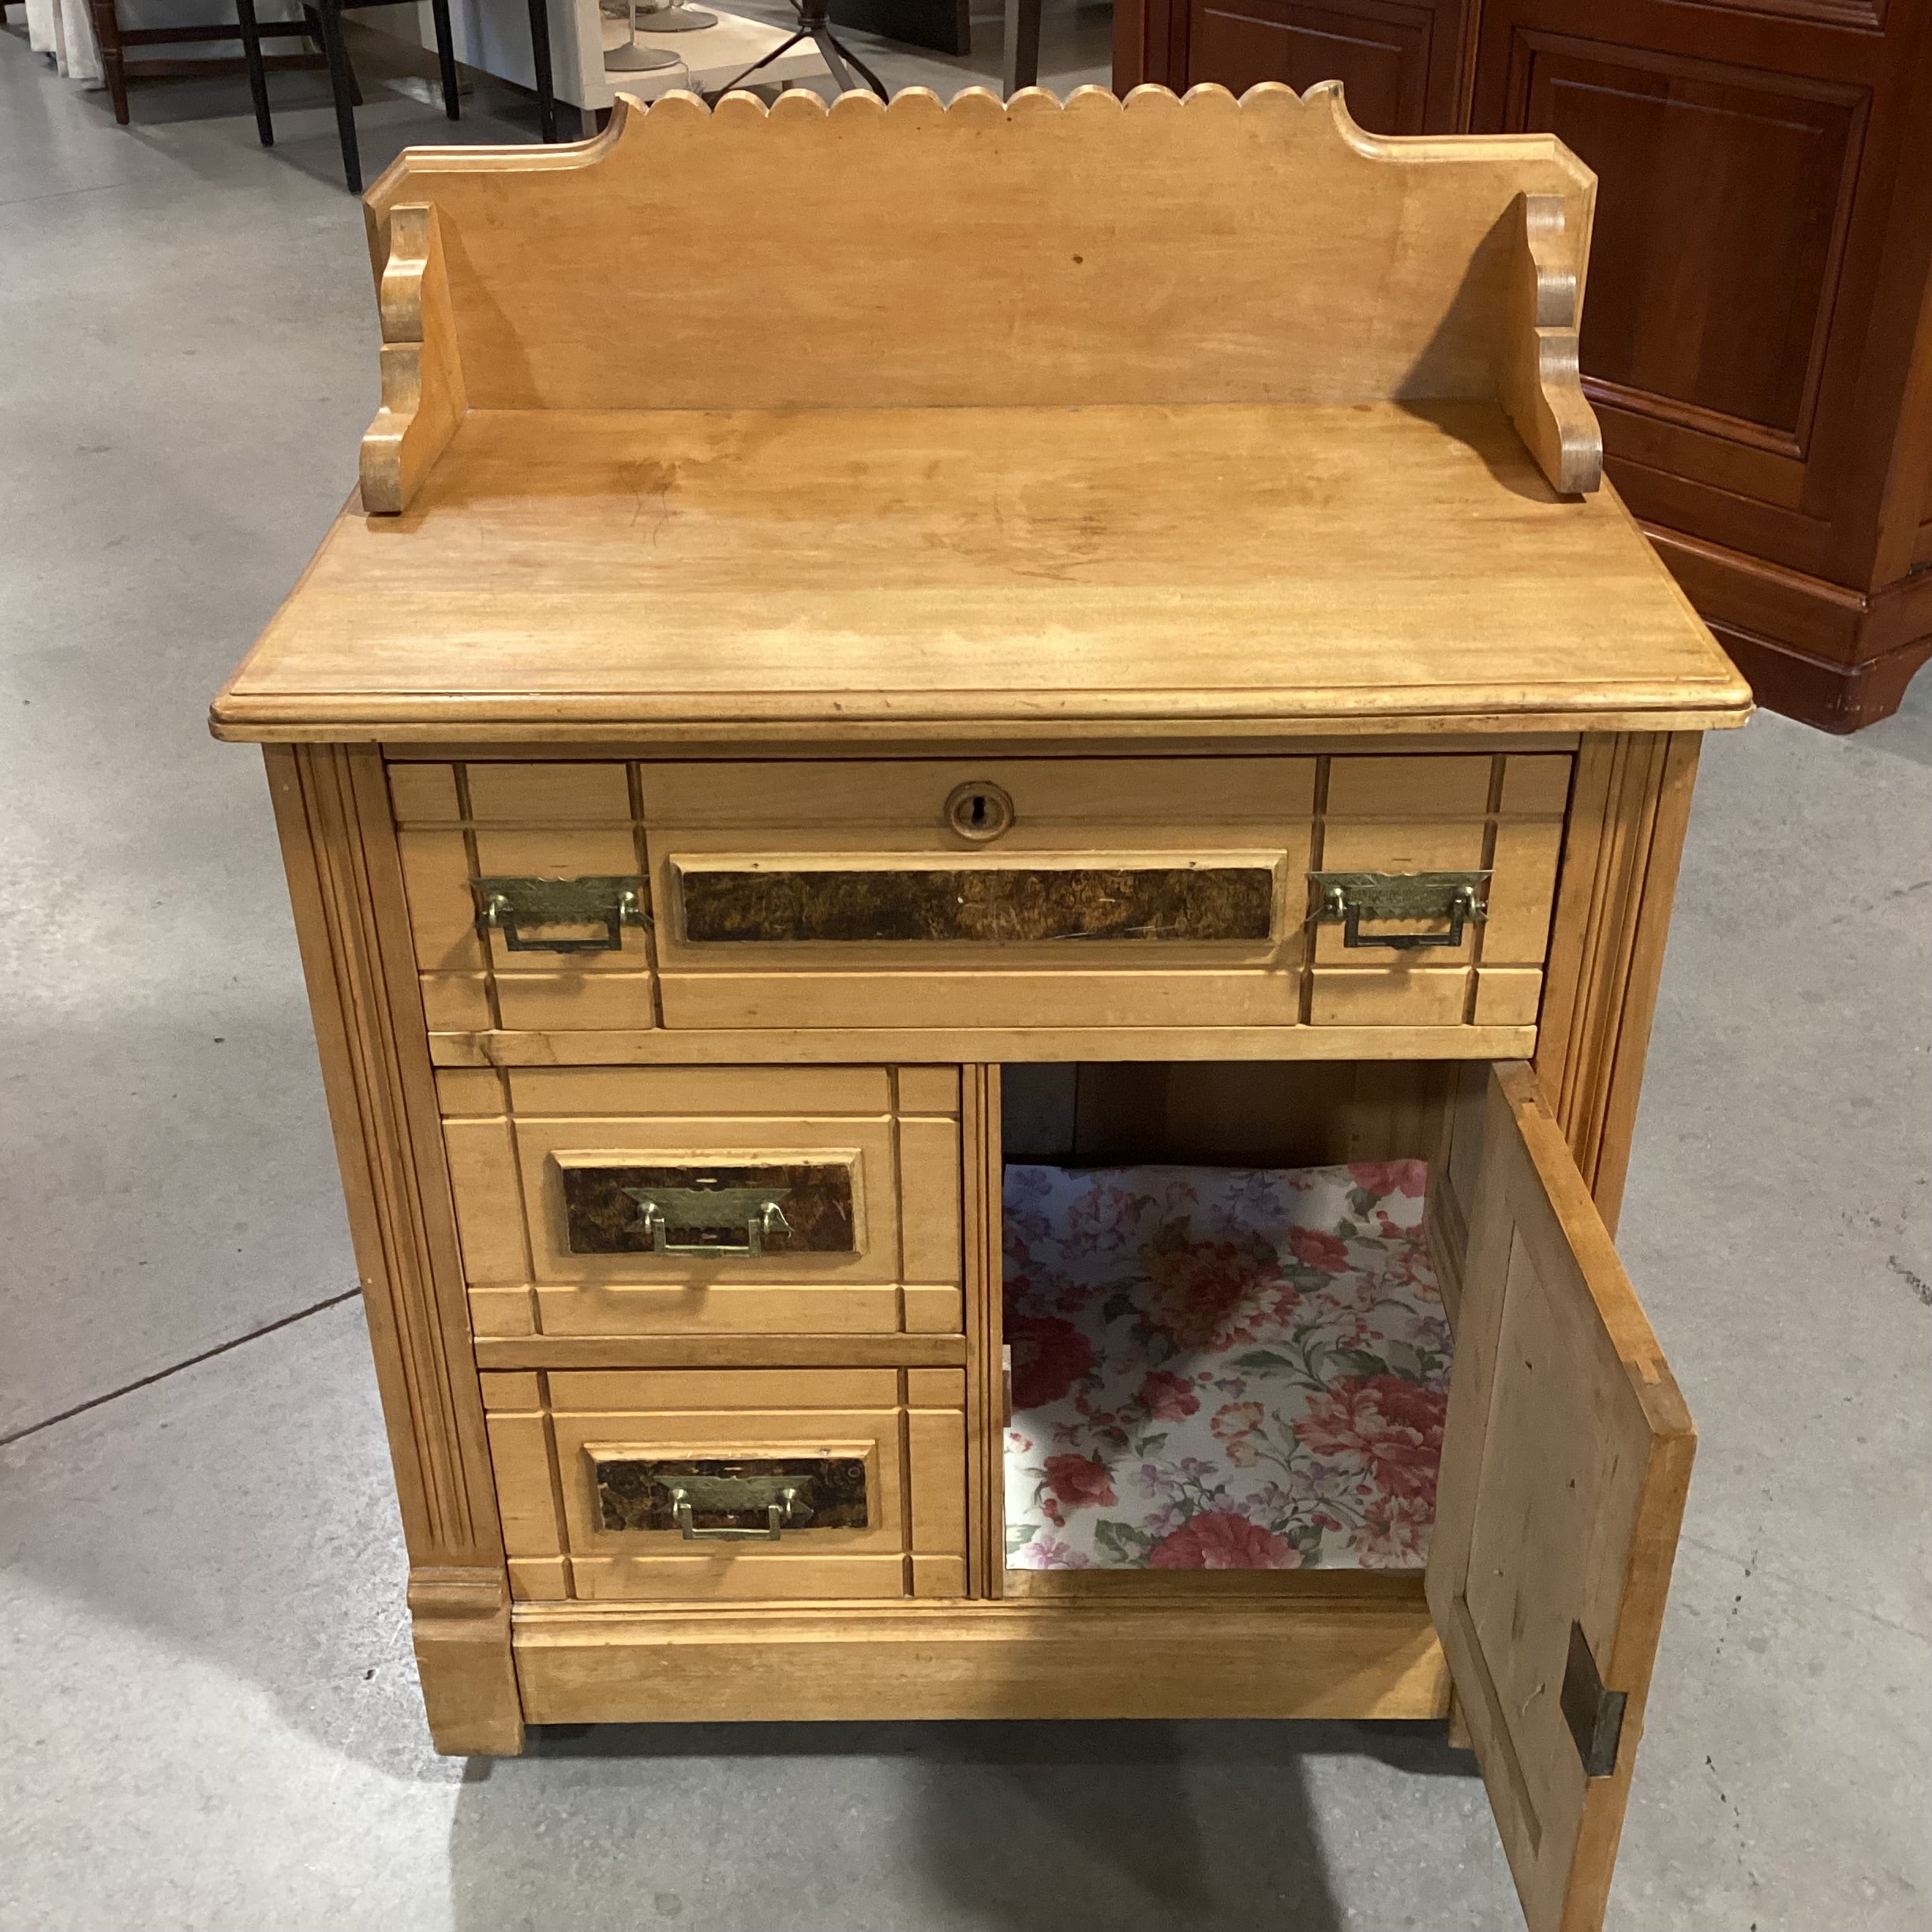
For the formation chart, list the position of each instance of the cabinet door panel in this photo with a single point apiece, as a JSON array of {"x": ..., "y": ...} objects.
[
  {"x": 1380, "y": 53},
  {"x": 1722, "y": 200},
  {"x": 1398, "y": 61},
  {"x": 1566, "y": 1457}
]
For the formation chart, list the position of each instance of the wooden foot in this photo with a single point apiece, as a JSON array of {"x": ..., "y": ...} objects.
[
  {"x": 461, "y": 1624},
  {"x": 1459, "y": 1738}
]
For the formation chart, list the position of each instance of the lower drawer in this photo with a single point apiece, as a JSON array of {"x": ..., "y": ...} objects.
[
  {"x": 699, "y": 1485},
  {"x": 618, "y": 1200}
]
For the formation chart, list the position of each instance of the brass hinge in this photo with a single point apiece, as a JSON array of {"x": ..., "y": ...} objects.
[{"x": 1595, "y": 1716}]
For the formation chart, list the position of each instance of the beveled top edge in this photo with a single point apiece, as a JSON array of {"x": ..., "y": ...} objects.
[{"x": 458, "y": 720}]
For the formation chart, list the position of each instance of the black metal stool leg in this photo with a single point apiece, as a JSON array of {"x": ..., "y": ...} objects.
[
  {"x": 446, "y": 57},
  {"x": 329, "y": 12},
  {"x": 540, "y": 59},
  {"x": 257, "y": 73},
  {"x": 311, "y": 22}
]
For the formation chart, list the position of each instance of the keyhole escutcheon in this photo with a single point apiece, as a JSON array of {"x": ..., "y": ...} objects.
[{"x": 980, "y": 811}]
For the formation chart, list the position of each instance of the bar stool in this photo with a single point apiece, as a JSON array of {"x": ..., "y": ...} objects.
[
  {"x": 342, "y": 83},
  {"x": 116, "y": 68},
  {"x": 342, "y": 78}
]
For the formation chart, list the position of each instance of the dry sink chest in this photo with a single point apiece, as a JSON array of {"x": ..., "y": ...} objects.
[{"x": 878, "y": 645}]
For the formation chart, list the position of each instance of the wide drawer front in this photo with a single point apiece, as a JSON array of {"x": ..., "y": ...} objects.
[
  {"x": 1346, "y": 890},
  {"x": 707, "y": 1200},
  {"x": 1015, "y": 892},
  {"x": 699, "y": 1485}
]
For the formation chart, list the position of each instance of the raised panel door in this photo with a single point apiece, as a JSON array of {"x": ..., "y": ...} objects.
[
  {"x": 1567, "y": 1455},
  {"x": 1399, "y": 61},
  {"x": 1723, "y": 200},
  {"x": 1746, "y": 159},
  {"x": 1380, "y": 53}
]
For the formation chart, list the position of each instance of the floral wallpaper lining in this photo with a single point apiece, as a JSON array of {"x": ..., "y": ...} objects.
[{"x": 1221, "y": 1369}]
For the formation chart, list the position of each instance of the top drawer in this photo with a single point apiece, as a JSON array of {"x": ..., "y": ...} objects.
[
  {"x": 1103, "y": 892},
  {"x": 1348, "y": 890}
]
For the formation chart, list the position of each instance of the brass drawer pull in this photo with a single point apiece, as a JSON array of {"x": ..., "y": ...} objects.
[
  {"x": 777, "y": 1512},
  {"x": 508, "y": 906},
  {"x": 729, "y": 1204},
  {"x": 721, "y": 1211},
  {"x": 1457, "y": 897},
  {"x": 709, "y": 1497}
]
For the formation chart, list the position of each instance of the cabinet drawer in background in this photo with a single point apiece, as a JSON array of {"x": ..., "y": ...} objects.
[
  {"x": 599, "y": 1473},
  {"x": 676, "y": 1200}
]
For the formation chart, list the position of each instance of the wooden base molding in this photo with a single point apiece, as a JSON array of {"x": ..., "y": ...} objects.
[
  {"x": 1838, "y": 697},
  {"x": 581, "y": 1664},
  {"x": 1832, "y": 657}
]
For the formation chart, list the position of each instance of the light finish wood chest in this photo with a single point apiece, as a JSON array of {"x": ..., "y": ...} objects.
[{"x": 1103, "y": 606}]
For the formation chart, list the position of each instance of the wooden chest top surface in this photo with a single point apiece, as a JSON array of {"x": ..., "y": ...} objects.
[{"x": 1374, "y": 567}]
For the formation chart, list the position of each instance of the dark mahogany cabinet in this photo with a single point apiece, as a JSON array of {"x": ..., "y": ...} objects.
[{"x": 1758, "y": 334}]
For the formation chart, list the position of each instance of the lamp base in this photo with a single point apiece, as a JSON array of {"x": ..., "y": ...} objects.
[
  {"x": 631, "y": 58},
  {"x": 815, "y": 24}
]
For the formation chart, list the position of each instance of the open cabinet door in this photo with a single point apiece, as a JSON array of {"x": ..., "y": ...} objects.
[{"x": 1565, "y": 1456}]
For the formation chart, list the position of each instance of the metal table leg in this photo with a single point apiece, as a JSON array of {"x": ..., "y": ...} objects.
[
  {"x": 446, "y": 56},
  {"x": 540, "y": 59},
  {"x": 257, "y": 73},
  {"x": 341, "y": 81}
]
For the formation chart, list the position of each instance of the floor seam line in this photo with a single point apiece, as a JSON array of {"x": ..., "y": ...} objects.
[
  {"x": 1756, "y": 1567},
  {"x": 161, "y": 1375},
  {"x": 58, "y": 194}
]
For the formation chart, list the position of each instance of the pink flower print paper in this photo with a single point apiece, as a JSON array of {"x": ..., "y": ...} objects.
[{"x": 1221, "y": 1369}]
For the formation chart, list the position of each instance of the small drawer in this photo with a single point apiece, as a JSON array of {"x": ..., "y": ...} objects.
[
  {"x": 528, "y": 901},
  {"x": 699, "y": 1485},
  {"x": 692, "y": 1200},
  {"x": 1430, "y": 905}
]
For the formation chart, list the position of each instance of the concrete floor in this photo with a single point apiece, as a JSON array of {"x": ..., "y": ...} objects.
[{"x": 207, "y": 1712}]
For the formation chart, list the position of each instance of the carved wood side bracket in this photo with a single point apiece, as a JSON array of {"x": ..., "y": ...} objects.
[
  {"x": 423, "y": 398},
  {"x": 1537, "y": 378}
]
